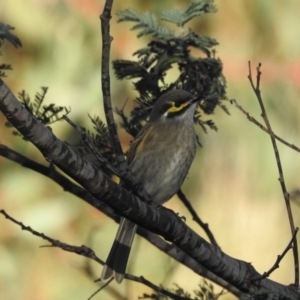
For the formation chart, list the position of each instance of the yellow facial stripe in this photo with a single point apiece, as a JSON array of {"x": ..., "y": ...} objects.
[{"x": 174, "y": 109}]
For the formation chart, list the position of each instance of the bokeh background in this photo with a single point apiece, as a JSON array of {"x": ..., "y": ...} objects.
[{"x": 233, "y": 182}]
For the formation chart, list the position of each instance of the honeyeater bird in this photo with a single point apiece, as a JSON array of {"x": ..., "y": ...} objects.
[{"x": 159, "y": 158}]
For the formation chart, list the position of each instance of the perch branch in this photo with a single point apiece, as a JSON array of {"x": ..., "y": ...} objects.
[
  {"x": 256, "y": 89},
  {"x": 88, "y": 253}
]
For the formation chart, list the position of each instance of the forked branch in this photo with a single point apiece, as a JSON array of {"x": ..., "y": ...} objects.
[
  {"x": 89, "y": 253},
  {"x": 286, "y": 195}
]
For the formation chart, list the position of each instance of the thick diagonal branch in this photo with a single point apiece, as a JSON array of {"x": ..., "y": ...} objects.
[{"x": 155, "y": 218}]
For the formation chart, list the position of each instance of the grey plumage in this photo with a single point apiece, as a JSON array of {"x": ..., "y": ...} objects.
[{"x": 159, "y": 158}]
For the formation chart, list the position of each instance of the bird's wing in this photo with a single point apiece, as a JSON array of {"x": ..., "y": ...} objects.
[{"x": 138, "y": 143}]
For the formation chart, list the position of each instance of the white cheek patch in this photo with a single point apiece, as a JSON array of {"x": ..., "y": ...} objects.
[{"x": 166, "y": 114}]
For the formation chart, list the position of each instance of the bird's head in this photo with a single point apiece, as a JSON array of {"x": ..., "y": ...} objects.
[{"x": 174, "y": 104}]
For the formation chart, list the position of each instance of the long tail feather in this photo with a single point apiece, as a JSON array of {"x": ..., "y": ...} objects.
[{"x": 116, "y": 262}]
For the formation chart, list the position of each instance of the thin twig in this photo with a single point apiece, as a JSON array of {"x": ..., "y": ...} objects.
[
  {"x": 80, "y": 250},
  {"x": 89, "y": 253},
  {"x": 101, "y": 288},
  {"x": 105, "y": 80},
  {"x": 138, "y": 211},
  {"x": 155, "y": 240},
  {"x": 279, "y": 258},
  {"x": 156, "y": 288},
  {"x": 196, "y": 218},
  {"x": 262, "y": 127},
  {"x": 256, "y": 89}
]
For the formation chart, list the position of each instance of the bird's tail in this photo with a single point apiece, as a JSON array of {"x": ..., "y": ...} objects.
[{"x": 116, "y": 262}]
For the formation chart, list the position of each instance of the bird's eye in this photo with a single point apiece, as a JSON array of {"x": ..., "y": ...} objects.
[{"x": 175, "y": 107}]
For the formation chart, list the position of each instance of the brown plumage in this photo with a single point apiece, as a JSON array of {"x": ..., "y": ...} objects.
[{"x": 159, "y": 158}]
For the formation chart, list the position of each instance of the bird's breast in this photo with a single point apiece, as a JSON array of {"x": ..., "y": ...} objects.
[{"x": 164, "y": 160}]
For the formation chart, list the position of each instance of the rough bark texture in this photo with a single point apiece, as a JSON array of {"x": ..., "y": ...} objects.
[{"x": 156, "y": 219}]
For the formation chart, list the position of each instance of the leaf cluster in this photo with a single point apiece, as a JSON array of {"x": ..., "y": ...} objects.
[
  {"x": 46, "y": 114},
  {"x": 193, "y": 55},
  {"x": 101, "y": 140},
  {"x": 5, "y": 34},
  {"x": 205, "y": 291},
  {"x": 185, "y": 50}
]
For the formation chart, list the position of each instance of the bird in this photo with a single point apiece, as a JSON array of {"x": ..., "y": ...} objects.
[{"x": 159, "y": 158}]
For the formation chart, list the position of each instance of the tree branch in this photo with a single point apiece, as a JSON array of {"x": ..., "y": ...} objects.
[
  {"x": 88, "y": 253},
  {"x": 262, "y": 127},
  {"x": 105, "y": 78},
  {"x": 196, "y": 218},
  {"x": 286, "y": 195},
  {"x": 279, "y": 257},
  {"x": 127, "y": 177},
  {"x": 50, "y": 172},
  {"x": 153, "y": 217},
  {"x": 171, "y": 250}
]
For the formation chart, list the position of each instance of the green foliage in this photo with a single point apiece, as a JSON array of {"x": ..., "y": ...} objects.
[
  {"x": 46, "y": 114},
  {"x": 6, "y": 35},
  {"x": 4, "y": 67},
  {"x": 147, "y": 23},
  {"x": 101, "y": 140},
  {"x": 180, "y": 17},
  {"x": 199, "y": 73},
  {"x": 167, "y": 50},
  {"x": 191, "y": 54},
  {"x": 205, "y": 291}
]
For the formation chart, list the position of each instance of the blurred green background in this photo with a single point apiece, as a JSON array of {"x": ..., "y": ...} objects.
[{"x": 233, "y": 182}]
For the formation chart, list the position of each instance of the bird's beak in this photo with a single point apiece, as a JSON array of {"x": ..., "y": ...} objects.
[{"x": 193, "y": 100}]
